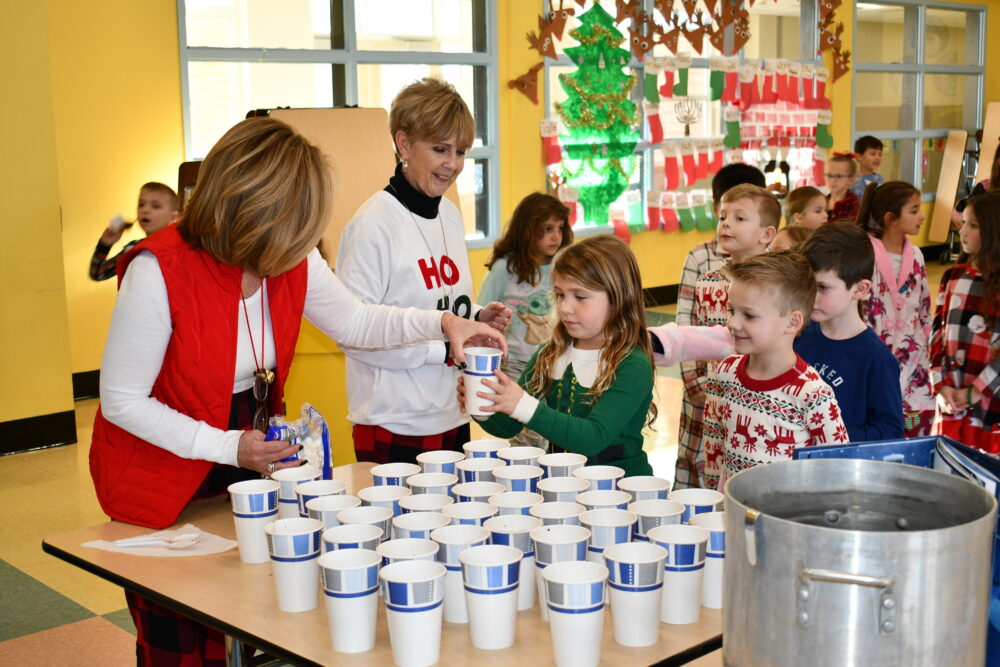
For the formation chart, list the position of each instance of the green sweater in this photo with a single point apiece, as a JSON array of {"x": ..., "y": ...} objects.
[{"x": 608, "y": 432}]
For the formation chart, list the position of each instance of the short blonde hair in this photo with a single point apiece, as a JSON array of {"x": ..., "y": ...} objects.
[
  {"x": 785, "y": 274},
  {"x": 262, "y": 200},
  {"x": 798, "y": 199},
  {"x": 432, "y": 110},
  {"x": 847, "y": 159},
  {"x": 766, "y": 203}
]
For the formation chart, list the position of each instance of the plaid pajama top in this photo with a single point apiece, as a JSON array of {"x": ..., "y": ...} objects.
[{"x": 963, "y": 351}]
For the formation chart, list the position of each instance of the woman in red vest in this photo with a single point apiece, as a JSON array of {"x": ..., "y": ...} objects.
[{"x": 205, "y": 324}]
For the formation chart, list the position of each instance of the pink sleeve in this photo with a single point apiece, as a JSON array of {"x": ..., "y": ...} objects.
[{"x": 691, "y": 343}]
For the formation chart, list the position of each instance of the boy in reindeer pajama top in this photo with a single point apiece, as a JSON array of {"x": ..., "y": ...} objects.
[{"x": 765, "y": 401}]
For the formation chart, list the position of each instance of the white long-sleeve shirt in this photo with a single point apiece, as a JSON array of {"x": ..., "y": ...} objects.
[{"x": 141, "y": 329}]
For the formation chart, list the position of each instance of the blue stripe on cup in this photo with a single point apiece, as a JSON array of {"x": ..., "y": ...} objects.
[
  {"x": 240, "y": 515},
  {"x": 493, "y": 591},
  {"x": 635, "y": 589},
  {"x": 683, "y": 568},
  {"x": 717, "y": 544},
  {"x": 359, "y": 594},
  {"x": 295, "y": 559},
  {"x": 584, "y": 610},
  {"x": 413, "y": 610}
]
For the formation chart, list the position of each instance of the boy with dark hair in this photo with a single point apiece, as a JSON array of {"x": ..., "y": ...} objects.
[
  {"x": 765, "y": 401},
  {"x": 839, "y": 344},
  {"x": 157, "y": 208},
  {"x": 869, "y": 152}
]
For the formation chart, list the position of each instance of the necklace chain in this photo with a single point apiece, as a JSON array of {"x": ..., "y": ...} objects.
[
  {"x": 447, "y": 294},
  {"x": 258, "y": 365}
]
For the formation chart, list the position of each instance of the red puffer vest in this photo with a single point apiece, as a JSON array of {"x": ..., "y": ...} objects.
[{"x": 138, "y": 482}]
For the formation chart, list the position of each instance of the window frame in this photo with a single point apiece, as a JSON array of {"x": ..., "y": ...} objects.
[
  {"x": 920, "y": 70},
  {"x": 350, "y": 58}
]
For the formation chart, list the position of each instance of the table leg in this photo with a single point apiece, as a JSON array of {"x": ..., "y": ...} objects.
[{"x": 234, "y": 652}]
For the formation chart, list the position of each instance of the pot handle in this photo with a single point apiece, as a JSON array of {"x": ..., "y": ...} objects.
[
  {"x": 750, "y": 531},
  {"x": 806, "y": 594}
]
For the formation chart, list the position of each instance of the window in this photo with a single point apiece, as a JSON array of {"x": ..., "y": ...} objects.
[
  {"x": 779, "y": 28},
  {"x": 240, "y": 55},
  {"x": 919, "y": 73}
]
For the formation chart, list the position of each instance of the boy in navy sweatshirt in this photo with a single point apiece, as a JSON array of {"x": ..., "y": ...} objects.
[{"x": 838, "y": 343}]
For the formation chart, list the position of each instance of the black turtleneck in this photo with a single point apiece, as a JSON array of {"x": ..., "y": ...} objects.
[{"x": 413, "y": 199}]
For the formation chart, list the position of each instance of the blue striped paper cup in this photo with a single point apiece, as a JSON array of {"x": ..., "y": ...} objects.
[
  {"x": 635, "y": 583},
  {"x": 697, "y": 501},
  {"x": 600, "y": 478},
  {"x": 393, "y": 474},
  {"x": 254, "y": 498},
  {"x": 686, "y": 546},
  {"x": 454, "y": 539},
  {"x": 562, "y": 489},
  {"x": 432, "y": 482},
  {"x": 439, "y": 460},
  {"x": 607, "y": 528},
  {"x": 515, "y": 502},
  {"x": 653, "y": 513},
  {"x": 521, "y": 455},
  {"x": 352, "y": 536},
  {"x": 425, "y": 502},
  {"x": 491, "y": 576},
  {"x": 470, "y": 513},
  {"x": 487, "y": 448},
  {"x": 289, "y": 478},
  {"x": 368, "y": 514},
  {"x": 519, "y": 477},
  {"x": 418, "y": 524},
  {"x": 561, "y": 464},
  {"x": 575, "y": 587},
  {"x": 350, "y": 573},
  {"x": 384, "y": 496},
  {"x": 513, "y": 530},
  {"x": 321, "y": 487},
  {"x": 293, "y": 540},
  {"x": 412, "y": 586},
  {"x": 482, "y": 359},
  {"x": 476, "y": 491},
  {"x": 635, "y": 566},
  {"x": 478, "y": 469},
  {"x": 326, "y": 508},
  {"x": 350, "y": 585},
  {"x": 490, "y": 569},
  {"x": 558, "y": 513},
  {"x": 715, "y": 554},
  {"x": 407, "y": 548},
  {"x": 645, "y": 487},
  {"x": 558, "y": 543},
  {"x": 607, "y": 499}
]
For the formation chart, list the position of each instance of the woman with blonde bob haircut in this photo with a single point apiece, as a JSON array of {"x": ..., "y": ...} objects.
[
  {"x": 405, "y": 246},
  {"x": 202, "y": 337}
]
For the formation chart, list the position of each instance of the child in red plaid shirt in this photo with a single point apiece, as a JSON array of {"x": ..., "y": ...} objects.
[{"x": 965, "y": 344}]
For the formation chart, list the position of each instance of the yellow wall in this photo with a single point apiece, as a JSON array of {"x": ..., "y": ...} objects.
[{"x": 34, "y": 341}]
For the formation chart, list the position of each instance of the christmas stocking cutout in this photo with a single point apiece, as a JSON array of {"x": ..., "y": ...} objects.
[
  {"x": 684, "y": 214},
  {"x": 671, "y": 170},
  {"x": 683, "y": 63},
  {"x": 655, "y": 124},
  {"x": 732, "y": 118},
  {"x": 703, "y": 220},
  {"x": 668, "y": 212},
  {"x": 716, "y": 78},
  {"x": 651, "y": 73},
  {"x": 569, "y": 197},
  {"x": 781, "y": 79},
  {"x": 550, "y": 143},
  {"x": 823, "y": 137},
  {"x": 669, "y": 64},
  {"x": 730, "y": 88},
  {"x": 690, "y": 162},
  {"x": 809, "y": 86},
  {"x": 822, "y": 101},
  {"x": 715, "y": 164},
  {"x": 703, "y": 147},
  {"x": 794, "y": 72},
  {"x": 819, "y": 166},
  {"x": 653, "y": 210},
  {"x": 768, "y": 94}
]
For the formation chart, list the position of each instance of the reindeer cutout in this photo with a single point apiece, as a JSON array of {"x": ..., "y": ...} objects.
[
  {"x": 642, "y": 35},
  {"x": 741, "y": 28},
  {"x": 543, "y": 42},
  {"x": 827, "y": 7},
  {"x": 626, "y": 9},
  {"x": 557, "y": 18},
  {"x": 689, "y": 7},
  {"x": 841, "y": 63},
  {"x": 829, "y": 36},
  {"x": 527, "y": 83},
  {"x": 696, "y": 35},
  {"x": 669, "y": 38},
  {"x": 665, "y": 7}
]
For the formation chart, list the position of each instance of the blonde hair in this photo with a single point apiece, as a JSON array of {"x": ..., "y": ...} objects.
[
  {"x": 798, "y": 199},
  {"x": 785, "y": 274},
  {"x": 431, "y": 110},
  {"x": 767, "y": 204},
  {"x": 796, "y": 234},
  {"x": 848, "y": 160},
  {"x": 262, "y": 199},
  {"x": 602, "y": 264}
]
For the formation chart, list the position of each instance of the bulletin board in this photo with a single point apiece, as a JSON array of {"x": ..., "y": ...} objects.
[{"x": 357, "y": 144}]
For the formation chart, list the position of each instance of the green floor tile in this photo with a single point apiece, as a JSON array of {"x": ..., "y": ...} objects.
[
  {"x": 28, "y": 606},
  {"x": 122, "y": 619}
]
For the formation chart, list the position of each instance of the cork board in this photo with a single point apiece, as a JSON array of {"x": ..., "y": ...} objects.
[
  {"x": 948, "y": 179},
  {"x": 360, "y": 152}
]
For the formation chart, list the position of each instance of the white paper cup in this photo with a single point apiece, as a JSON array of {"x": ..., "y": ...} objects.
[
  {"x": 521, "y": 455},
  {"x": 476, "y": 491},
  {"x": 597, "y": 500},
  {"x": 321, "y": 487},
  {"x": 514, "y": 530},
  {"x": 645, "y": 487},
  {"x": 375, "y": 516},
  {"x": 575, "y": 594},
  {"x": 413, "y": 591},
  {"x": 439, "y": 460},
  {"x": 255, "y": 504},
  {"x": 384, "y": 496},
  {"x": 480, "y": 362},
  {"x": 562, "y": 489},
  {"x": 393, "y": 474},
  {"x": 432, "y": 482},
  {"x": 478, "y": 469},
  {"x": 519, "y": 477},
  {"x": 453, "y": 540},
  {"x": 425, "y": 502},
  {"x": 487, "y": 448},
  {"x": 635, "y": 591},
  {"x": 293, "y": 545},
  {"x": 491, "y": 573},
  {"x": 558, "y": 513},
  {"x": 352, "y": 536},
  {"x": 515, "y": 502},
  {"x": 683, "y": 571},
  {"x": 472, "y": 513},
  {"x": 289, "y": 478},
  {"x": 350, "y": 584},
  {"x": 715, "y": 557},
  {"x": 556, "y": 544},
  {"x": 600, "y": 478},
  {"x": 697, "y": 501},
  {"x": 418, "y": 524},
  {"x": 407, "y": 548},
  {"x": 326, "y": 508},
  {"x": 653, "y": 513},
  {"x": 607, "y": 528},
  {"x": 561, "y": 464}
]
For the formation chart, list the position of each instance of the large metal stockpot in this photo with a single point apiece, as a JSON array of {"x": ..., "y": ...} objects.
[{"x": 851, "y": 562}]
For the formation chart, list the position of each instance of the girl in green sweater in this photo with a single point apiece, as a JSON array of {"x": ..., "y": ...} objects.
[{"x": 590, "y": 388}]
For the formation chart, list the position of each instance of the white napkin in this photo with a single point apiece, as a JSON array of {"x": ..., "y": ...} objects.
[{"x": 206, "y": 545}]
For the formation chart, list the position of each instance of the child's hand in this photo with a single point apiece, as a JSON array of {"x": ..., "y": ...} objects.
[
  {"x": 951, "y": 400},
  {"x": 111, "y": 235},
  {"x": 508, "y": 393},
  {"x": 461, "y": 394},
  {"x": 496, "y": 315}
]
